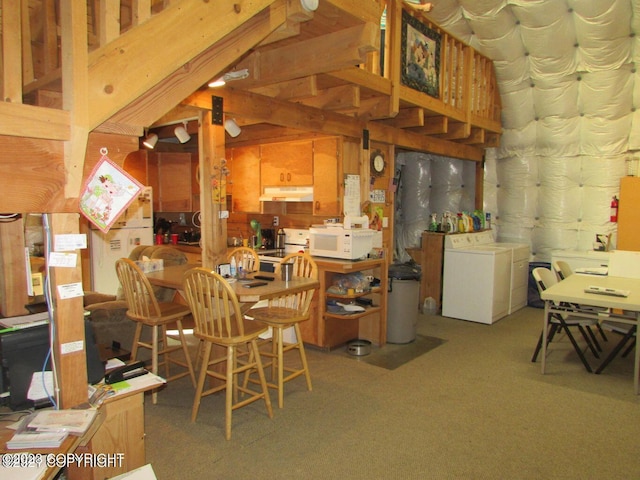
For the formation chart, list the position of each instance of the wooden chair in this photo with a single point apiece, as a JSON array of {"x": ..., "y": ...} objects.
[
  {"x": 144, "y": 308},
  {"x": 282, "y": 313},
  {"x": 544, "y": 279},
  {"x": 219, "y": 321},
  {"x": 244, "y": 257}
]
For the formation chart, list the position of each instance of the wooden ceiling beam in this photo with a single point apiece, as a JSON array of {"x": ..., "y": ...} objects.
[
  {"x": 407, "y": 117},
  {"x": 291, "y": 89},
  {"x": 278, "y": 112},
  {"x": 335, "y": 98},
  {"x": 118, "y": 77},
  {"x": 456, "y": 131},
  {"x": 321, "y": 54},
  {"x": 161, "y": 98},
  {"x": 432, "y": 126},
  {"x": 477, "y": 137}
]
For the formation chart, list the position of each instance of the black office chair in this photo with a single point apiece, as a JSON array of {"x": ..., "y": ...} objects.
[{"x": 544, "y": 279}]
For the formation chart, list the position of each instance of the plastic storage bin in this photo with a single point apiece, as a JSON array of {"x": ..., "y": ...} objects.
[{"x": 403, "y": 303}]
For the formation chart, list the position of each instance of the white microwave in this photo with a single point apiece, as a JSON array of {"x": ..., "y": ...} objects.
[{"x": 339, "y": 242}]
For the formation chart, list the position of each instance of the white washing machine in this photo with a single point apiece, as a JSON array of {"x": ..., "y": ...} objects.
[{"x": 476, "y": 279}]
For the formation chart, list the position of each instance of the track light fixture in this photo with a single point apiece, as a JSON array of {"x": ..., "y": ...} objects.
[
  {"x": 229, "y": 76},
  {"x": 181, "y": 133},
  {"x": 150, "y": 141},
  {"x": 232, "y": 127}
]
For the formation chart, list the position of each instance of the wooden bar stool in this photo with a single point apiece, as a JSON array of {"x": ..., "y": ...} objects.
[
  {"x": 144, "y": 308},
  {"x": 284, "y": 312},
  {"x": 219, "y": 321}
]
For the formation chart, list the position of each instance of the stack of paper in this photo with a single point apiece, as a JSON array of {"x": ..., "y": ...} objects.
[
  {"x": 75, "y": 422},
  {"x": 36, "y": 440}
]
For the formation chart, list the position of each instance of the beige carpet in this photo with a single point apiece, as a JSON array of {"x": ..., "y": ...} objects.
[
  {"x": 475, "y": 407},
  {"x": 394, "y": 356}
]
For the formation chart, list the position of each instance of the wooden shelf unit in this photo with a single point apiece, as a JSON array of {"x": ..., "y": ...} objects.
[{"x": 329, "y": 330}]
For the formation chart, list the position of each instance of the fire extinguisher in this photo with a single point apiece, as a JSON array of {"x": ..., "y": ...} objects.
[{"x": 614, "y": 209}]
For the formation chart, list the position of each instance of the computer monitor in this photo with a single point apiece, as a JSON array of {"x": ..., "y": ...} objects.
[{"x": 23, "y": 352}]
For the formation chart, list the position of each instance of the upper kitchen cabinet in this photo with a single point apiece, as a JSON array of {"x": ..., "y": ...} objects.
[
  {"x": 243, "y": 182},
  {"x": 289, "y": 164},
  {"x": 326, "y": 166},
  {"x": 170, "y": 176}
]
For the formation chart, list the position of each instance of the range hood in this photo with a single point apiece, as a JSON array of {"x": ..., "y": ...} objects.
[{"x": 287, "y": 194}]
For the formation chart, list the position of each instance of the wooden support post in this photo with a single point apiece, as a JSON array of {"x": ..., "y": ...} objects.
[
  {"x": 68, "y": 319},
  {"x": 212, "y": 197}
]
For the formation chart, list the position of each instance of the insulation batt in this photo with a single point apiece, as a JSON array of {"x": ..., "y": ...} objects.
[{"x": 570, "y": 86}]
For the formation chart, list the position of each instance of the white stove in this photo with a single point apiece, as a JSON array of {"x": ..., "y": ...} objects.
[{"x": 296, "y": 240}]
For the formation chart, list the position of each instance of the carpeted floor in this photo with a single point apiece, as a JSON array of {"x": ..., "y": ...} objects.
[
  {"x": 474, "y": 407},
  {"x": 393, "y": 356}
]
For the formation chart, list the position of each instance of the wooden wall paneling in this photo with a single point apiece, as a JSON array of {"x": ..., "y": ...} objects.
[{"x": 13, "y": 270}]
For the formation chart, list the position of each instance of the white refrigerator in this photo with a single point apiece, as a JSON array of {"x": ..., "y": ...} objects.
[{"x": 134, "y": 227}]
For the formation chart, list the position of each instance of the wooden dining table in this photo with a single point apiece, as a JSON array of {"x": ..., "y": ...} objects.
[{"x": 171, "y": 277}]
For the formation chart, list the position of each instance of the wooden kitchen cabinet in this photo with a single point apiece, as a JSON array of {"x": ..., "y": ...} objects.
[
  {"x": 243, "y": 182},
  {"x": 327, "y": 153},
  {"x": 287, "y": 164},
  {"x": 170, "y": 177},
  {"x": 328, "y": 330}
]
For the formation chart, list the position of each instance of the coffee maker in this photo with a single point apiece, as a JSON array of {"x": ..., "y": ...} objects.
[{"x": 268, "y": 238}]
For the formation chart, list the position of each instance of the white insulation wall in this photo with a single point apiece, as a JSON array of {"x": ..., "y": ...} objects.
[{"x": 569, "y": 88}]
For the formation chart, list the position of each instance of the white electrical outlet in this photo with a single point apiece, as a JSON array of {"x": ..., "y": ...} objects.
[
  {"x": 224, "y": 214},
  {"x": 276, "y": 221}
]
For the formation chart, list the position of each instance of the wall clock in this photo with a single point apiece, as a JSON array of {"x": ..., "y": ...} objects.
[{"x": 378, "y": 164}]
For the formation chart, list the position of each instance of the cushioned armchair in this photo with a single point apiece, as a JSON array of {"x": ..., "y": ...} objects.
[{"x": 108, "y": 312}]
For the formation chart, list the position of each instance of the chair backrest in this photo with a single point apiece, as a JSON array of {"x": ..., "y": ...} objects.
[
  {"x": 244, "y": 257},
  {"x": 214, "y": 306},
  {"x": 142, "y": 303},
  {"x": 562, "y": 269},
  {"x": 544, "y": 278},
  {"x": 303, "y": 265}
]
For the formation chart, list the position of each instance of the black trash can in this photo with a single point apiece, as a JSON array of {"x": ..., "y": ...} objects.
[
  {"x": 533, "y": 297},
  {"x": 403, "y": 302}
]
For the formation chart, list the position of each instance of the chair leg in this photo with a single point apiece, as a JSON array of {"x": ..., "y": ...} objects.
[
  {"x": 303, "y": 356},
  {"x": 601, "y": 331},
  {"x": 552, "y": 331},
  {"x": 201, "y": 379},
  {"x": 280, "y": 360},
  {"x": 616, "y": 350},
  {"x": 594, "y": 340},
  {"x": 255, "y": 351},
  {"x": 136, "y": 340},
  {"x": 229, "y": 392},
  {"x": 154, "y": 360},
  {"x": 587, "y": 339},
  {"x": 577, "y": 348},
  {"x": 185, "y": 349}
]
